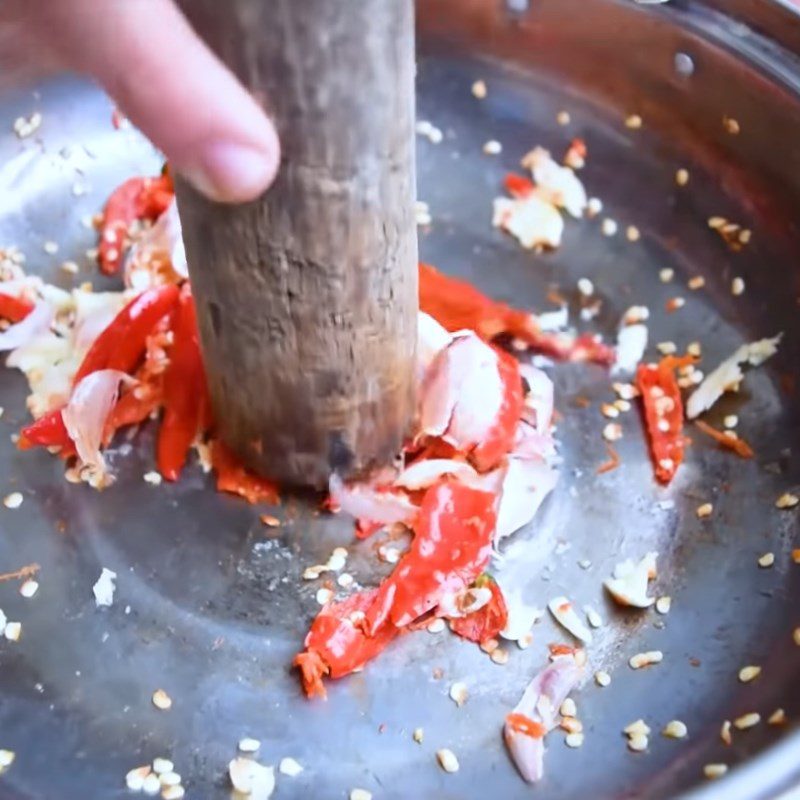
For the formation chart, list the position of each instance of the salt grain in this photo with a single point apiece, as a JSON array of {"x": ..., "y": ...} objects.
[
  {"x": 173, "y": 793},
  {"x": 632, "y": 233},
  {"x": 682, "y": 177},
  {"x": 664, "y": 604},
  {"x": 666, "y": 275},
  {"x": 104, "y": 588},
  {"x": 698, "y": 282},
  {"x": 6, "y": 758},
  {"x": 50, "y": 247},
  {"x": 29, "y": 588},
  {"x": 27, "y": 126},
  {"x": 602, "y": 678},
  {"x": 248, "y": 745},
  {"x": 162, "y": 766},
  {"x": 796, "y": 636},
  {"x": 737, "y": 286},
  {"x": 563, "y": 118},
  {"x": 492, "y": 148},
  {"x": 290, "y": 767},
  {"x": 585, "y": 287},
  {"x": 153, "y": 478},
  {"x": 360, "y": 794}
]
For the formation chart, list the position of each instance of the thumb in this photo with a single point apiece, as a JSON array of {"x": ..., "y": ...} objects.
[{"x": 173, "y": 87}]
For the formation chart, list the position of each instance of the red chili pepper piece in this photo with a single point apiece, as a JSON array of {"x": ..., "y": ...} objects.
[
  {"x": 139, "y": 401},
  {"x": 500, "y": 438},
  {"x": 184, "y": 390},
  {"x": 451, "y": 547},
  {"x": 14, "y": 309},
  {"x": 135, "y": 199},
  {"x": 486, "y": 622},
  {"x": 457, "y": 305},
  {"x": 518, "y": 186},
  {"x": 337, "y": 645},
  {"x": 522, "y": 724},
  {"x": 233, "y": 477},
  {"x": 122, "y": 344},
  {"x": 47, "y": 431},
  {"x": 663, "y": 410}
]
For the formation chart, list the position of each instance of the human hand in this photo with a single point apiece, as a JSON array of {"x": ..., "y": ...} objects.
[{"x": 148, "y": 58}]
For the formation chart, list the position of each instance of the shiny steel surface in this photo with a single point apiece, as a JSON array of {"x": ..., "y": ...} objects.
[{"x": 210, "y": 605}]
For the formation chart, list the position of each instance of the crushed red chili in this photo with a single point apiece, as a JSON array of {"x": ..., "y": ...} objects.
[{"x": 663, "y": 411}]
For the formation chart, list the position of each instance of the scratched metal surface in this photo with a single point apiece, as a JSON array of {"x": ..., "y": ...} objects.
[{"x": 211, "y": 608}]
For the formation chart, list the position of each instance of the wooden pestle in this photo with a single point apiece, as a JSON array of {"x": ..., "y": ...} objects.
[{"x": 307, "y": 297}]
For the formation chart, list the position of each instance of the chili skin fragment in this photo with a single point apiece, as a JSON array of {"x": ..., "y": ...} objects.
[
  {"x": 47, "y": 431},
  {"x": 14, "y": 309},
  {"x": 123, "y": 343},
  {"x": 734, "y": 443},
  {"x": 185, "y": 392},
  {"x": 663, "y": 411},
  {"x": 451, "y": 547},
  {"x": 487, "y": 622},
  {"x": 235, "y": 478},
  {"x": 522, "y": 724},
  {"x": 457, "y": 305},
  {"x": 518, "y": 186},
  {"x": 337, "y": 643},
  {"x": 499, "y": 440},
  {"x": 135, "y": 199}
]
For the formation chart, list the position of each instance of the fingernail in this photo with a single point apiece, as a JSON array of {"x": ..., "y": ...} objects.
[{"x": 232, "y": 173}]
